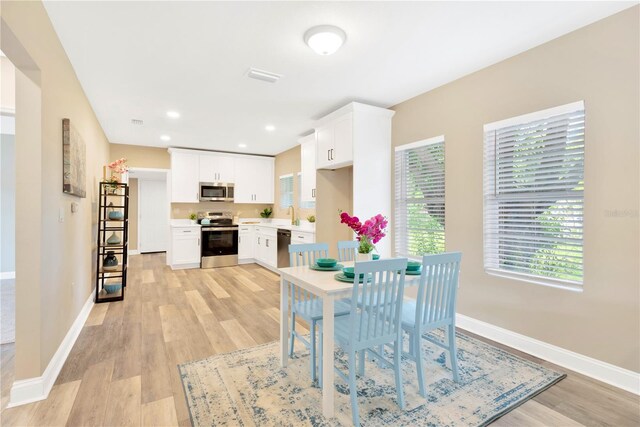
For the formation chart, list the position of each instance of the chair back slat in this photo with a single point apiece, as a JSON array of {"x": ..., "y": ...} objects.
[
  {"x": 301, "y": 255},
  {"x": 380, "y": 296},
  {"x": 347, "y": 250},
  {"x": 438, "y": 288}
]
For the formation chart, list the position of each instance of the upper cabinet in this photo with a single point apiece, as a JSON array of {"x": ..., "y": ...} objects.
[
  {"x": 217, "y": 168},
  {"x": 185, "y": 176},
  {"x": 335, "y": 143},
  {"x": 253, "y": 176},
  {"x": 308, "y": 168},
  {"x": 254, "y": 179}
]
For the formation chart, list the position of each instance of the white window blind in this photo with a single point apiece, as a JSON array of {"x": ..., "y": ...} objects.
[
  {"x": 419, "y": 222},
  {"x": 304, "y": 204},
  {"x": 533, "y": 196},
  {"x": 286, "y": 191}
]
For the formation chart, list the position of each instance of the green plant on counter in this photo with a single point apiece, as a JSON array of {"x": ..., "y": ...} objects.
[
  {"x": 193, "y": 216},
  {"x": 266, "y": 213},
  {"x": 311, "y": 218}
]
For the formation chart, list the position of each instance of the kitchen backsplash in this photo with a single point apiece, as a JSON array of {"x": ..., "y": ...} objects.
[{"x": 182, "y": 210}]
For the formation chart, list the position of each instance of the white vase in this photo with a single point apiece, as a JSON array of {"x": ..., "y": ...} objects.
[{"x": 364, "y": 257}]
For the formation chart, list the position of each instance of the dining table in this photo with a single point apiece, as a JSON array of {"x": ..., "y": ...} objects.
[{"x": 324, "y": 285}]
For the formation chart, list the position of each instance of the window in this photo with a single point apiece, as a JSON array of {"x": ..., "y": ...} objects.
[
  {"x": 533, "y": 196},
  {"x": 286, "y": 191},
  {"x": 419, "y": 198},
  {"x": 308, "y": 204}
]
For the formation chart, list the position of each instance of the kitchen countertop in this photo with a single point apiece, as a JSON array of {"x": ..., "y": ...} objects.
[
  {"x": 282, "y": 224},
  {"x": 183, "y": 223}
]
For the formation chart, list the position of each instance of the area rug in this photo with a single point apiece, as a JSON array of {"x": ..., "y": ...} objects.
[{"x": 248, "y": 388}]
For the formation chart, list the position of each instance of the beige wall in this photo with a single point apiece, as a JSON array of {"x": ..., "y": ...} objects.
[
  {"x": 141, "y": 157},
  {"x": 334, "y": 193},
  {"x": 55, "y": 261},
  {"x": 289, "y": 162},
  {"x": 600, "y": 65}
]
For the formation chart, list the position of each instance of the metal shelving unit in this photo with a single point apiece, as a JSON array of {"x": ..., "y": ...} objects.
[{"x": 118, "y": 195}]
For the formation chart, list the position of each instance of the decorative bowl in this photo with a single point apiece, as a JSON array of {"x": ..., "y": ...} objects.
[
  {"x": 375, "y": 257},
  {"x": 348, "y": 271},
  {"x": 112, "y": 288},
  {"x": 326, "y": 262},
  {"x": 413, "y": 266},
  {"x": 115, "y": 215}
]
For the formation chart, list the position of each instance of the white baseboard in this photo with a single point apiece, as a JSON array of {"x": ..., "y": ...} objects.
[
  {"x": 602, "y": 371},
  {"x": 133, "y": 252},
  {"x": 7, "y": 275},
  {"x": 267, "y": 266},
  {"x": 33, "y": 389}
]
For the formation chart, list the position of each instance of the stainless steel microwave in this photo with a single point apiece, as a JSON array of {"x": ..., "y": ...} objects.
[{"x": 216, "y": 192}]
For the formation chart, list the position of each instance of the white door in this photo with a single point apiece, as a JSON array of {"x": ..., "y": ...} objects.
[{"x": 153, "y": 216}]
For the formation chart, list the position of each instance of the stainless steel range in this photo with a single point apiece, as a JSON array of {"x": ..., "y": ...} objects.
[{"x": 219, "y": 239}]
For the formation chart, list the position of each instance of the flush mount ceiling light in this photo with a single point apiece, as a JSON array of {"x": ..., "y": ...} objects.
[
  {"x": 242, "y": 145},
  {"x": 270, "y": 128},
  {"x": 173, "y": 114},
  {"x": 325, "y": 39},
  {"x": 165, "y": 138}
]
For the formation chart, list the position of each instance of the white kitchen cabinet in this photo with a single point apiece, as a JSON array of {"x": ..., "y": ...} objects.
[
  {"x": 246, "y": 239},
  {"x": 185, "y": 177},
  {"x": 266, "y": 249},
  {"x": 299, "y": 237},
  {"x": 334, "y": 147},
  {"x": 217, "y": 168},
  {"x": 254, "y": 179},
  {"x": 185, "y": 247},
  {"x": 308, "y": 168}
]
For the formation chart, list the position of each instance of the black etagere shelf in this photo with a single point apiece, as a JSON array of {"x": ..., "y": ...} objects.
[{"x": 113, "y": 220}]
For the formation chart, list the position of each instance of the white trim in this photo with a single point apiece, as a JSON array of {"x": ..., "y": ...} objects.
[
  {"x": 538, "y": 115},
  {"x": 421, "y": 143},
  {"x": 7, "y": 275},
  {"x": 566, "y": 285},
  {"x": 133, "y": 252},
  {"x": 289, "y": 175},
  {"x": 34, "y": 389},
  {"x": 602, "y": 371}
]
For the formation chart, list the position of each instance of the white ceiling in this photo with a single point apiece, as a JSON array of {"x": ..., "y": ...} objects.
[{"x": 140, "y": 59}]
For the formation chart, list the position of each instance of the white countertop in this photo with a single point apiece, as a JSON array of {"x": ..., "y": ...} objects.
[
  {"x": 284, "y": 224},
  {"x": 183, "y": 223}
]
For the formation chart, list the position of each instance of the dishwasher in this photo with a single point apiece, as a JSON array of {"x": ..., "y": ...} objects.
[{"x": 284, "y": 240}]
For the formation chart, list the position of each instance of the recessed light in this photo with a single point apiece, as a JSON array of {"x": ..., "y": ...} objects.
[
  {"x": 165, "y": 137},
  {"x": 270, "y": 128},
  {"x": 325, "y": 39},
  {"x": 242, "y": 145},
  {"x": 173, "y": 114}
]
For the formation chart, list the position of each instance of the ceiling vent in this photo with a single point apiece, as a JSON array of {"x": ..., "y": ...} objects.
[
  {"x": 265, "y": 76},
  {"x": 137, "y": 122}
]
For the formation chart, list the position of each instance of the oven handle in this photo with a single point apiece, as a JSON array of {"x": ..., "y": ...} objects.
[{"x": 219, "y": 228}]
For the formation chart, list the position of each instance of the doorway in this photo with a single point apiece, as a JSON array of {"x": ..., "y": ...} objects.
[{"x": 152, "y": 217}]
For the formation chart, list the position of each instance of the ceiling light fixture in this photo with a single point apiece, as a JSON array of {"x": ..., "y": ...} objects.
[
  {"x": 242, "y": 145},
  {"x": 165, "y": 138},
  {"x": 270, "y": 128},
  {"x": 325, "y": 39},
  {"x": 173, "y": 114}
]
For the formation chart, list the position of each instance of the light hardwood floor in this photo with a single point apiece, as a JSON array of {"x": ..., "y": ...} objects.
[{"x": 122, "y": 369}]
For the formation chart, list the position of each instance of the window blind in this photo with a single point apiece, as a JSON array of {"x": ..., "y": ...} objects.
[
  {"x": 533, "y": 196},
  {"x": 419, "y": 222},
  {"x": 304, "y": 204},
  {"x": 286, "y": 191}
]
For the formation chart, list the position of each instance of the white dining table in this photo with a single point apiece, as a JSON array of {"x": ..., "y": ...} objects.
[{"x": 324, "y": 285}]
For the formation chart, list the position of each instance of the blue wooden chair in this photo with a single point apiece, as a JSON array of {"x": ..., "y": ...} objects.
[
  {"x": 373, "y": 323},
  {"x": 347, "y": 250},
  {"x": 306, "y": 305},
  {"x": 434, "y": 307}
]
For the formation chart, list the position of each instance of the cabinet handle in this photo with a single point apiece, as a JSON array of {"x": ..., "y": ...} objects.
[
  {"x": 313, "y": 192},
  {"x": 332, "y": 154},
  {"x": 186, "y": 231},
  {"x": 328, "y": 155},
  {"x": 258, "y": 240},
  {"x": 267, "y": 242},
  {"x": 300, "y": 237},
  {"x": 198, "y": 241}
]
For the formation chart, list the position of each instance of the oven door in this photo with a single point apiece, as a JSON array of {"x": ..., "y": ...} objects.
[
  {"x": 219, "y": 246},
  {"x": 210, "y": 192}
]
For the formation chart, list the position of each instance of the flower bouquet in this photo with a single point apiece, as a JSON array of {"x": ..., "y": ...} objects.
[{"x": 368, "y": 233}]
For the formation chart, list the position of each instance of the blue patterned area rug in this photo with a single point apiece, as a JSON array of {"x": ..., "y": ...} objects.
[{"x": 248, "y": 388}]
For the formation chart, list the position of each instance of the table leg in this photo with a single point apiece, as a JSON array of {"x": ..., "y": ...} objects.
[
  {"x": 327, "y": 356},
  {"x": 284, "y": 322}
]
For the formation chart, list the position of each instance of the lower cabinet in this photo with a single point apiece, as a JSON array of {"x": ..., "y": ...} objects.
[
  {"x": 266, "y": 246},
  {"x": 185, "y": 247},
  {"x": 246, "y": 238}
]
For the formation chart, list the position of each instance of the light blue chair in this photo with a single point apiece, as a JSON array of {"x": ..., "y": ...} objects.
[
  {"x": 347, "y": 250},
  {"x": 434, "y": 307},
  {"x": 306, "y": 305},
  {"x": 373, "y": 323}
]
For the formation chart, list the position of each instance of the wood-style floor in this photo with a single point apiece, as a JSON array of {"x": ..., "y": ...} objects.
[{"x": 122, "y": 369}]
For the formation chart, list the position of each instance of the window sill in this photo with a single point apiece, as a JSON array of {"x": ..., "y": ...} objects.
[{"x": 558, "y": 284}]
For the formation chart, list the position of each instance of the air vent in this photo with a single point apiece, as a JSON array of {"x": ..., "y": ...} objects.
[
  {"x": 137, "y": 122},
  {"x": 265, "y": 76}
]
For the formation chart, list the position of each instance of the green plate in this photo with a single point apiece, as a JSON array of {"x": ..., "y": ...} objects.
[
  {"x": 336, "y": 267},
  {"x": 340, "y": 277},
  {"x": 413, "y": 273}
]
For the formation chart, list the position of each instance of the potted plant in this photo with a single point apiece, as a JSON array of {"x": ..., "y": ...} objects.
[
  {"x": 266, "y": 213},
  {"x": 368, "y": 233},
  {"x": 193, "y": 217}
]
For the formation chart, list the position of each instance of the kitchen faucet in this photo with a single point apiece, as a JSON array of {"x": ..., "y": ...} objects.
[{"x": 293, "y": 214}]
